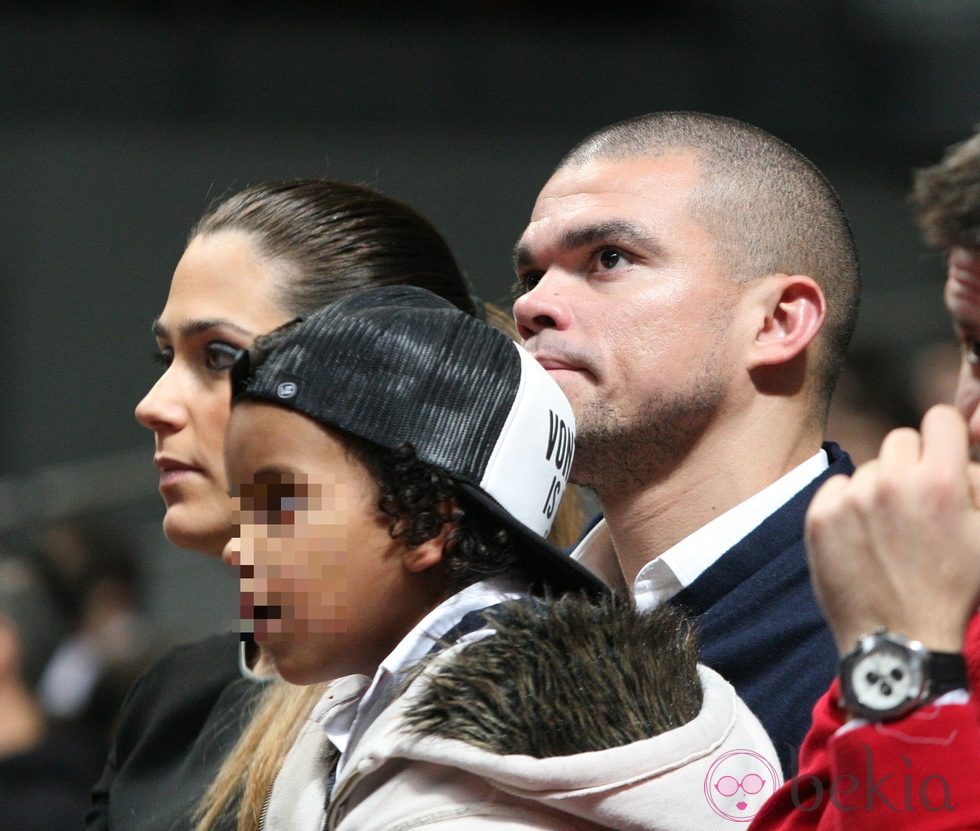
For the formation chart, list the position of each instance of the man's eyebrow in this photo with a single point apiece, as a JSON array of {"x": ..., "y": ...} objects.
[
  {"x": 195, "y": 327},
  {"x": 613, "y": 232},
  {"x": 521, "y": 256}
]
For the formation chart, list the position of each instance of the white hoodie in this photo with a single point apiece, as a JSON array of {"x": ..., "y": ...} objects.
[{"x": 712, "y": 771}]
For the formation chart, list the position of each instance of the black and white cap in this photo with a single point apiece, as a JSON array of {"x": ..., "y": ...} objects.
[{"x": 399, "y": 364}]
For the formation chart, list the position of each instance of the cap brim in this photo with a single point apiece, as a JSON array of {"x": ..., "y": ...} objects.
[{"x": 545, "y": 563}]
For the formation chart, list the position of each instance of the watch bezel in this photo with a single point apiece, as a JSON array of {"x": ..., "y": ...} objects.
[{"x": 916, "y": 657}]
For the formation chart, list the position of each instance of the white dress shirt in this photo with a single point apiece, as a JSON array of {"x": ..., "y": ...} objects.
[{"x": 681, "y": 564}]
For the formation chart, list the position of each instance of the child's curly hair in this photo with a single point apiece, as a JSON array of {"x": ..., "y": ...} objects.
[{"x": 420, "y": 499}]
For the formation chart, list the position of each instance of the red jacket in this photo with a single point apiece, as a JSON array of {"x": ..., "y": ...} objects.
[{"x": 921, "y": 771}]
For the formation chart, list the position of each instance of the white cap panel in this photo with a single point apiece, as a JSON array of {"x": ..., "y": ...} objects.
[{"x": 528, "y": 469}]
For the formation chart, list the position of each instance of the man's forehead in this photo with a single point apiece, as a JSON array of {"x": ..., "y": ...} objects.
[
  {"x": 634, "y": 185},
  {"x": 613, "y": 193},
  {"x": 632, "y": 176}
]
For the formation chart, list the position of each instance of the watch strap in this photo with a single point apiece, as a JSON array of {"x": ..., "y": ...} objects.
[{"x": 945, "y": 672}]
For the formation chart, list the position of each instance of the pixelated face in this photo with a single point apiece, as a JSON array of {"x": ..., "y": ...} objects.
[
  {"x": 220, "y": 299},
  {"x": 625, "y": 300},
  {"x": 962, "y": 297},
  {"x": 321, "y": 577},
  {"x": 738, "y": 783}
]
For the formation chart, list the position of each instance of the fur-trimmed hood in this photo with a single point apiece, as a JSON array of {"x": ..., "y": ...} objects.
[{"x": 568, "y": 716}]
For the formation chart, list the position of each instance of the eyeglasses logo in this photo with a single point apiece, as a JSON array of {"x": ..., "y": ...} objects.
[
  {"x": 738, "y": 783},
  {"x": 752, "y": 783}
]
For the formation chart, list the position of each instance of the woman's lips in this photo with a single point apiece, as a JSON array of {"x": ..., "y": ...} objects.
[{"x": 174, "y": 471}]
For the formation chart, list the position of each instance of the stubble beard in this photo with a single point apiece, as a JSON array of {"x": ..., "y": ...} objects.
[{"x": 616, "y": 453}]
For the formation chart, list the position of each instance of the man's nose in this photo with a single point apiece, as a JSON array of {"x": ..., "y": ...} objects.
[{"x": 546, "y": 306}]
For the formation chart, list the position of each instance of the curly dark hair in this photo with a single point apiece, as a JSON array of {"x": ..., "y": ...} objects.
[
  {"x": 946, "y": 197},
  {"x": 420, "y": 499}
]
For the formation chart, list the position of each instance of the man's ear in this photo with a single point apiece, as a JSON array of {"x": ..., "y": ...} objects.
[
  {"x": 424, "y": 556},
  {"x": 791, "y": 312}
]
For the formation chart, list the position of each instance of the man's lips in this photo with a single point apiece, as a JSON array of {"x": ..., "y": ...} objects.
[
  {"x": 556, "y": 364},
  {"x": 552, "y": 363}
]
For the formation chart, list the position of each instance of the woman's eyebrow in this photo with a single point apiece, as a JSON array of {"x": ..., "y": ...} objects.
[{"x": 194, "y": 327}]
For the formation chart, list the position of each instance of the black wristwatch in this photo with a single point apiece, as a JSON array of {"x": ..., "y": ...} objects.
[{"x": 888, "y": 675}]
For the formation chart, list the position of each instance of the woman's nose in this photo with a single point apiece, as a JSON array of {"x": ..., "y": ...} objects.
[{"x": 162, "y": 409}]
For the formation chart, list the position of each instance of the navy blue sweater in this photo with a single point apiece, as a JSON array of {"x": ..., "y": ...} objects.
[{"x": 760, "y": 625}]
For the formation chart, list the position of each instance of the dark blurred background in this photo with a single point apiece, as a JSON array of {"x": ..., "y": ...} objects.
[{"x": 119, "y": 122}]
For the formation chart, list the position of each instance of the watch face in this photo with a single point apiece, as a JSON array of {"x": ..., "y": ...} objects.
[{"x": 884, "y": 679}]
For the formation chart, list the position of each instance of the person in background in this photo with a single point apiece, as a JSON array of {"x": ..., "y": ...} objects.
[
  {"x": 47, "y": 765},
  {"x": 895, "y": 555},
  {"x": 94, "y": 577}
]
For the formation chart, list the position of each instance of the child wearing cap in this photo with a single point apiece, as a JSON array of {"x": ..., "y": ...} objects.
[{"x": 395, "y": 463}]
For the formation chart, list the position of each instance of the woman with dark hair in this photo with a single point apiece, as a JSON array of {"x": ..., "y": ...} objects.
[{"x": 255, "y": 260}]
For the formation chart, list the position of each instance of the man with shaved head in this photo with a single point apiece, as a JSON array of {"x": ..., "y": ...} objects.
[{"x": 691, "y": 283}]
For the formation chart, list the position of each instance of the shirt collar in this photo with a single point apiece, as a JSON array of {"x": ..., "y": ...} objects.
[
  {"x": 679, "y": 566},
  {"x": 341, "y": 721}
]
